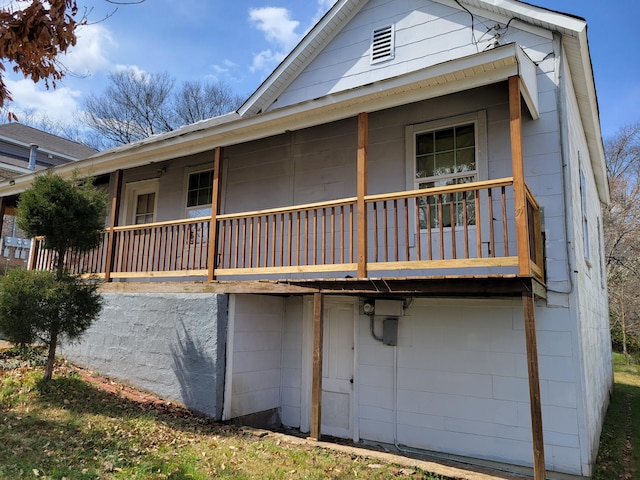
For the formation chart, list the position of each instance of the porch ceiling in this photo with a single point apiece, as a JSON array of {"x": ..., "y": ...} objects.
[{"x": 454, "y": 76}]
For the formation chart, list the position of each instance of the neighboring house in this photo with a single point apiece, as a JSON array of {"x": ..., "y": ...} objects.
[
  {"x": 24, "y": 150},
  {"x": 396, "y": 239}
]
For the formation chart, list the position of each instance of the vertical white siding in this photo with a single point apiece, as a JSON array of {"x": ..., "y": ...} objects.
[
  {"x": 291, "y": 387},
  {"x": 257, "y": 354}
]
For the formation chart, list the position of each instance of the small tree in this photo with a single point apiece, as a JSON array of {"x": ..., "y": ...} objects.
[{"x": 50, "y": 306}]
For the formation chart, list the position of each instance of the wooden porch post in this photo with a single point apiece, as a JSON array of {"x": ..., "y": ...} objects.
[
  {"x": 215, "y": 207},
  {"x": 539, "y": 471},
  {"x": 113, "y": 222},
  {"x": 316, "y": 375},
  {"x": 519, "y": 192},
  {"x": 363, "y": 145}
]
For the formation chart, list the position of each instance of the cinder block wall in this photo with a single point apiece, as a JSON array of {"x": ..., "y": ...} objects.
[{"x": 169, "y": 344}]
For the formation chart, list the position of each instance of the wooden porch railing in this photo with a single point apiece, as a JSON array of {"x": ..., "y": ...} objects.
[{"x": 454, "y": 227}]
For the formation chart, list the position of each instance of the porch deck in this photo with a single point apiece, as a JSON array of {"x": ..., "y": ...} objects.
[{"x": 399, "y": 236}]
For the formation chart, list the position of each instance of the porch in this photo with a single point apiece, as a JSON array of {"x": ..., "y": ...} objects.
[{"x": 459, "y": 230}]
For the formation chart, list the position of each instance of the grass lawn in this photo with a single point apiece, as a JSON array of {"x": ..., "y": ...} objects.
[
  {"x": 70, "y": 429},
  {"x": 619, "y": 454}
]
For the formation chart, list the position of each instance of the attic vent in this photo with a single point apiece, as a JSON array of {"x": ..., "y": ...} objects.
[{"x": 382, "y": 44}]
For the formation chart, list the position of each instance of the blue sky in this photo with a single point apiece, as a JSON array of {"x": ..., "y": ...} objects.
[{"x": 239, "y": 42}]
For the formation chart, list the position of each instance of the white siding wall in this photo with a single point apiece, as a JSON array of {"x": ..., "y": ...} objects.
[
  {"x": 462, "y": 383},
  {"x": 256, "y": 354},
  {"x": 427, "y": 33},
  {"x": 292, "y": 350},
  {"x": 590, "y": 300}
]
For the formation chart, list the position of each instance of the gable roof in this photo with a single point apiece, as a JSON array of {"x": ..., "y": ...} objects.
[
  {"x": 253, "y": 121},
  {"x": 24, "y": 135}
]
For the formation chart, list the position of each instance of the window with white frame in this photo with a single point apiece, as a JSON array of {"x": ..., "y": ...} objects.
[
  {"x": 199, "y": 193},
  {"x": 447, "y": 153}
]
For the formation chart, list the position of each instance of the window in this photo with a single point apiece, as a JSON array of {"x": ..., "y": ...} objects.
[
  {"x": 443, "y": 153},
  {"x": 140, "y": 202},
  {"x": 145, "y": 208},
  {"x": 199, "y": 193}
]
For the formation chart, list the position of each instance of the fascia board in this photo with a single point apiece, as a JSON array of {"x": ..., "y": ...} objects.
[{"x": 544, "y": 18}]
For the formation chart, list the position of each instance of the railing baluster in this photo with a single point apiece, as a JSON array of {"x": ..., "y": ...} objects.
[
  {"x": 385, "y": 232},
  {"x": 452, "y": 214},
  {"x": 416, "y": 212},
  {"x": 478, "y": 223},
  {"x": 406, "y": 229},
  {"x": 465, "y": 225},
  {"x": 341, "y": 233},
  {"x": 441, "y": 225},
  {"x": 492, "y": 243},
  {"x": 504, "y": 221}
]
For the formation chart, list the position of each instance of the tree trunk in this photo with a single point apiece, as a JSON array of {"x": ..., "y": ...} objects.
[
  {"x": 60, "y": 265},
  {"x": 51, "y": 358}
]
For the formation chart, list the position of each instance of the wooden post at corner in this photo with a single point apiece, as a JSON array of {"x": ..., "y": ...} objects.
[
  {"x": 539, "y": 469},
  {"x": 363, "y": 144}
]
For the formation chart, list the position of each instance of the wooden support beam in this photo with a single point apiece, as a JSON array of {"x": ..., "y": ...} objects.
[
  {"x": 113, "y": 222},
  {"x": 539, "y": 472},
  {"x": 215, "y": 211},
  {"x": 363, "y": 145},
  {"x": 519, "y": 190},
  {"x": 316, "y": 378}
]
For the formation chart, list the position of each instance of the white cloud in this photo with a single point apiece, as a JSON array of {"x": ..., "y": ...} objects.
[
  {"x": 138, "y": 72},
  {"x": 91, "y": 52},
  {"x": 266, "y": 59},
  {"x": 57, "y": 104},
  {"x": 277, "y": 25},
  {"x": 279, "y": 30}
]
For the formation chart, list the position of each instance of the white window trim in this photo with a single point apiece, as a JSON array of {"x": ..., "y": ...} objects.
[
  {"x": 479, "y": 119},
  {"x": 131, "y": 192},
  {"x": 185, "y": 197}
]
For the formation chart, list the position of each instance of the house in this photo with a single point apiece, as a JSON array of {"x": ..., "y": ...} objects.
[
  {"x": 396, "y": 239},
  {"x": 25, "y": 149}
]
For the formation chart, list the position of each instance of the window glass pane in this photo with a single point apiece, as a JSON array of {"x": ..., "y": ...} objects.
[
  {"x": 424, "y": 166},
  {"x": 424, "y": 143},
  {"x": 465, "y": 136},
  {"x": 445, "y": 164},
  {"x": 193, "y": 182},
  {"x": 444, "y": 140},
  {"x": 466, "y": 160}
]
